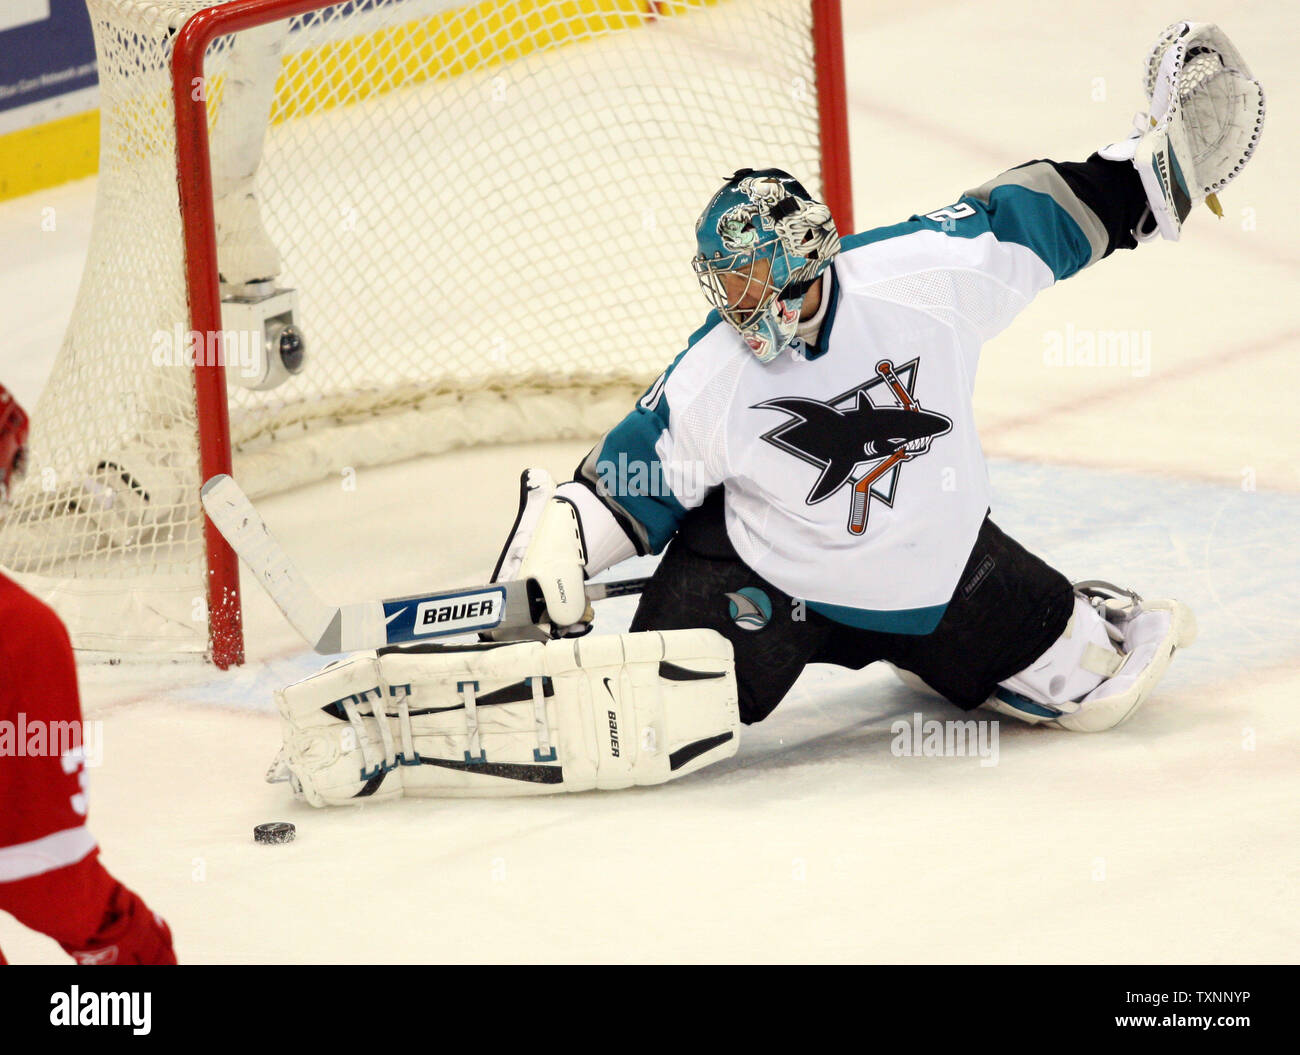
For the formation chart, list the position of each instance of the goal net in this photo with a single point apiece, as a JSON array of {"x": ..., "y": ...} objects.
[{"x": 485, "y": 213}]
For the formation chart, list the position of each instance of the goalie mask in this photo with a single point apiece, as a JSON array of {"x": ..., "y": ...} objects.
[{"x": 762, "y": 241}]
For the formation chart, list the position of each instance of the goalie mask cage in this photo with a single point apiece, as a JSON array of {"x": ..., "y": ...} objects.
[{"x": 486, "y": 211}]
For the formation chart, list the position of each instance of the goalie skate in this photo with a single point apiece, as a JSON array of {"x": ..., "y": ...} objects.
[{"x": 1145, "y": 634}]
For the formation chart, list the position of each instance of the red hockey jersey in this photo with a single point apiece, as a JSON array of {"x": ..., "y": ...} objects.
[{"x": 50, "y": 876}]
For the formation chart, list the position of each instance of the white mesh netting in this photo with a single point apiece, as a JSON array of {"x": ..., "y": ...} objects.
[{"x": 487, "y": 211}]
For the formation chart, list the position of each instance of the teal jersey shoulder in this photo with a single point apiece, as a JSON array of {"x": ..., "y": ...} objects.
[{"x": 1035, "y": 219}]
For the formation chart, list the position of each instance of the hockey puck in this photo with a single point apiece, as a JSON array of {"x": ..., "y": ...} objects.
[{"x": 274, "y": 832}]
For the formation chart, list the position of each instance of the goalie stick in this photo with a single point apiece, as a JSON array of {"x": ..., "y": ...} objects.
[{"x": 331, "y": 629}]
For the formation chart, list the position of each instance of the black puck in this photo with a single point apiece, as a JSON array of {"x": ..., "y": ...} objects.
[{"x": 274, "y": 832}]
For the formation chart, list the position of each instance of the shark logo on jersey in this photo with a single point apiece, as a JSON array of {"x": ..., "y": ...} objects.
[{"x": 853, "y": 440}]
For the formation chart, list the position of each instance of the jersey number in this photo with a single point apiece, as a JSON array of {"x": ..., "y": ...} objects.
[
  {"x": 74, "y": 761},
  {"x": 952, "y": 212},
  {"x": 655, "y": 393}
]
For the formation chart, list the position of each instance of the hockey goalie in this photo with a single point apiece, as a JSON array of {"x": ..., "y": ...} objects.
[{"x": 810, "y": 470}]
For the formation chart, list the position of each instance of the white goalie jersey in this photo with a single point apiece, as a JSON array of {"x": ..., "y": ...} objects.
[{"x": 854, "y": 478}]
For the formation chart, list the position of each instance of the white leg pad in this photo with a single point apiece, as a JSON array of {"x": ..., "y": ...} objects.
[{"x": 527, "y": 718}]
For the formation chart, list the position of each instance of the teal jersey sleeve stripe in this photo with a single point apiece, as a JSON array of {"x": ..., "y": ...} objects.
[
  {"x": 916, "y": 621},
  {"x": 1013, "y": 214},
  {"x": 630, "y": 474},
  {"x": 626, "y": 467}
]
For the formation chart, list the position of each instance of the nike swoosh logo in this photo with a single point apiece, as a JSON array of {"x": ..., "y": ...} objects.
[
  {"x": 394, "y": 616},
  {"x": 610, "y": 691}
]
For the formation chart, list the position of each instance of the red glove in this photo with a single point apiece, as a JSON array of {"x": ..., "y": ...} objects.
[{"x": 130, "y": 934}]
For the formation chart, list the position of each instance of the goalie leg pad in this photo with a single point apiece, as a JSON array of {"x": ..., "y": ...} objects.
[{"x": 527, "y": 718}]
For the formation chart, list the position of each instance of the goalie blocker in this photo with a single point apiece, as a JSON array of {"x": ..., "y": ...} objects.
[{"x": 522, "y": 718}]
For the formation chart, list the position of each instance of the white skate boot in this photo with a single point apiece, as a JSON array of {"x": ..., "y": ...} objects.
[{"x": 1114, "y": 651}]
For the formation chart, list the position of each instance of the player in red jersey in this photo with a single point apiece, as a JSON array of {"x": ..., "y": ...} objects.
[{"x": 50, "y": 876}]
